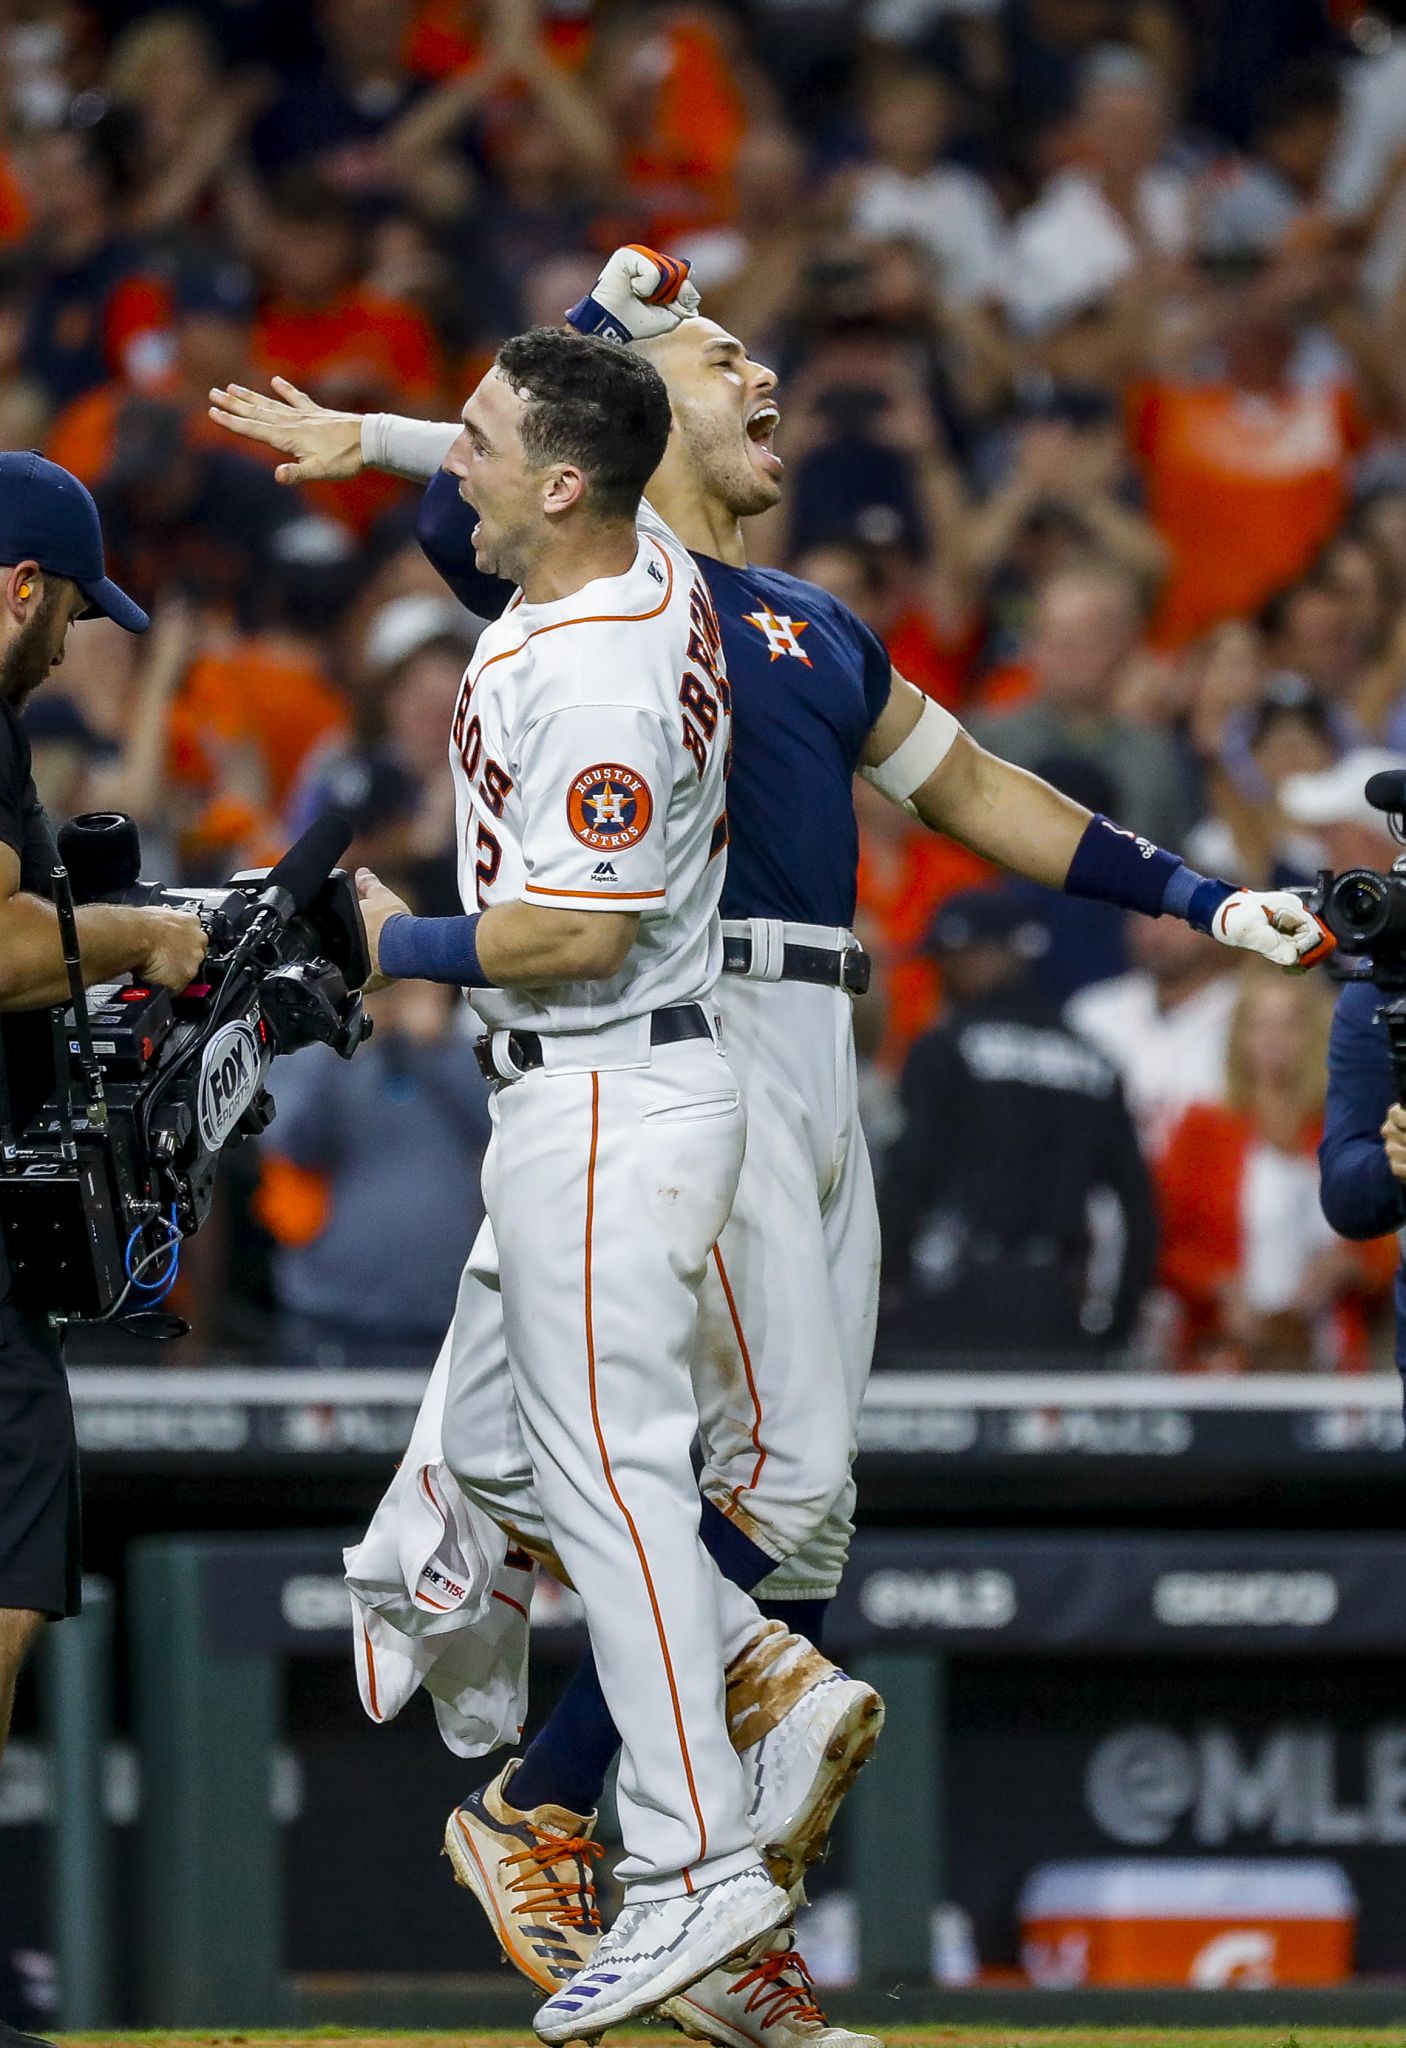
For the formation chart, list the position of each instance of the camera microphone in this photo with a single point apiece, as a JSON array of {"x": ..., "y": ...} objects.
[
  {"x": 102, "y": 851},
  {"x": 294, "y": 881},
  {"x": 1386, "y": 791}
]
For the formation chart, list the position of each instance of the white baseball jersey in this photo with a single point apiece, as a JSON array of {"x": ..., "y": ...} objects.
[{"x": 589, "y": 751}]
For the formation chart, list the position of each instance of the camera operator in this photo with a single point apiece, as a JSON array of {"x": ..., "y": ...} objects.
[
  {"x": 51, "y": 573},
  {"x": 1362, "y": 1157}
]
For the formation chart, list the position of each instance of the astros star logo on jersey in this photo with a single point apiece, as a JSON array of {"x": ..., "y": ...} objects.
[
  {"x": 783, "y": 633},
  {"x": 609, "y": 807}
]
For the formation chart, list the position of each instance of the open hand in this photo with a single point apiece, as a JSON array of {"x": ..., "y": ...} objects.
[{"x": 324, "y": 446}]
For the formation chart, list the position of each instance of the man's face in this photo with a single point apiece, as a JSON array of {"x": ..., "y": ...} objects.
[
  {"x": 723, "y": 414},
  {"x": 39, "y": 644},
  {"x": 496, "y": 478},
  {"x": 1084, "y": 632}
]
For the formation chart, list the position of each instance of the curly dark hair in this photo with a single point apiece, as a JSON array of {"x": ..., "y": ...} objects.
[{"x": 594, "y": 404}]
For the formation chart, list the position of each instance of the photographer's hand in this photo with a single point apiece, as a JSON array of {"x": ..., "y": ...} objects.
[
  {"x": 175, "y": 944},
  {"x": 1394, "y": 1139}
]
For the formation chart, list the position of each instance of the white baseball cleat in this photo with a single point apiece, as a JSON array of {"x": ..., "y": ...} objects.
[
  {"x": 531, "y": 1873},
  {"x": 804, "y": 1730},
  {"x": 660, "y": 1947},
  {"x": 771, "y": 2004}
]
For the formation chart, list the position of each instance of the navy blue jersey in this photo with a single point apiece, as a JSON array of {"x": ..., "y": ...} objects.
[{"x": 808, "y": 681}]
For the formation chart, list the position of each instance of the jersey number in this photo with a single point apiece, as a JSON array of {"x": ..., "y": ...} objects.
[{"x": 490, "y": 859}]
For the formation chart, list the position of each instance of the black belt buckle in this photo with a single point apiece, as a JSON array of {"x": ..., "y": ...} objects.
[{"x": 856, "y": 971}]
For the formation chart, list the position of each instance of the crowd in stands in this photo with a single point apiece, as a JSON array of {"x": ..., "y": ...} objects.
[{"x": 1091, "y": 323}]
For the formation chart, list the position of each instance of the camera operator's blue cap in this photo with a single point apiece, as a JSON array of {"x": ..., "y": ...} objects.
[{"x": 48, "y": 517}]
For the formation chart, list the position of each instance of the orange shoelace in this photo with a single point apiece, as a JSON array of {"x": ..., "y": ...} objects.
[
  {"x": 564, "y": 1901},
  {"x": 772, "y": 1997}
]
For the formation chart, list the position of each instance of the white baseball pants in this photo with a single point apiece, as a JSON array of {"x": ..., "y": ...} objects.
[
  {"x": 791, "y": 1299},
  {"x": 605, "y": 1192}
]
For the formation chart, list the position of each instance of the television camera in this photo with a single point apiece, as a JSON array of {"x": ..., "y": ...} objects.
[
  {"x": 1366, "y": 912},
  {"x": 117, "y": 1167}
]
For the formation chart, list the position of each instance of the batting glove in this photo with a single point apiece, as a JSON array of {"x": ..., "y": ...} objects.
[
  {"x": 1275, "y": 923},
  {"x": 640, "y": 293}
]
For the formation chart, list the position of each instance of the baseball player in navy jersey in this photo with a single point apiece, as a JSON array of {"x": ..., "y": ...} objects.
[{"x": 789, "y": 1303}]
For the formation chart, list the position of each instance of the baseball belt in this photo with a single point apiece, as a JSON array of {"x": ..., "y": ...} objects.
[
  {"x": 848, "y": 968},
  {"x": 524, "y": 1048}
]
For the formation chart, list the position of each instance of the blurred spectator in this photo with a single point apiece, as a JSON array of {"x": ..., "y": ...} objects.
[
  {"x": 1083, "y": 652},
  {"x": 1257, "y": 202},
  {"x": 322, "y": 328},
  {"x": 1331, "y": 805},
  {"x": 333, "y": 115},
  {"x": 189, "y": 122},
  {"x": 1247, "y": 468},
  {"x": 370, "y": 1186},
  {"x": 95, "y": 309},
  {"x": 1117, "y": 201},
  {"x": 1290, "y": 732},
  {"x": 981, "y": 1254},
  {"x": 201, "y": 519},
  {"x": 1165, "y": 1025},
  {"x": 905, "y": 192},
  {"x": 388, "y": 776},
  {"x": 212, "y": 316},
  {"x": 1067, "y": 493},
  {"x": 1260, "y": 1280}
]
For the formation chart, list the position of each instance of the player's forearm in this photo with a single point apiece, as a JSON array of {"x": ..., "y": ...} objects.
[
  {"x": 1003, "y": 813},
  {"x": 514, "y": 945},
  {"x": 522, "y": 944},
  {"x": 112, "y": 938},
  {"x": 403, "y": 447}
]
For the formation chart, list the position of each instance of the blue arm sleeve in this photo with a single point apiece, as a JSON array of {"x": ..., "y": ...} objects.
[
  {"x": 442, "y": 527},
  {"x": 1360, "y": 1194}
]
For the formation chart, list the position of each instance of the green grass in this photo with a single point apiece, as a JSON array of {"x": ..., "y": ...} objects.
[{"x": 896, "y": 2037}]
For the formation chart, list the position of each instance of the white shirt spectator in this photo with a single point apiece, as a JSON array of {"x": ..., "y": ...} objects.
[
  {"x": 1071, "y": 247},
  {"x": 1168, "y": 1059},
  {"x": 949, "y": 211}
]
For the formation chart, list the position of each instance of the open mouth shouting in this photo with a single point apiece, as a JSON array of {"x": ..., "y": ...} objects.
[{"x": 761, "y": 424}]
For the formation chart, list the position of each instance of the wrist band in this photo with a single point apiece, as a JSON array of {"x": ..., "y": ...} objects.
[
  {"x": 1113, "y": 865},
  {"x": 414, "y": 449},
  {"x": 433, "y": 949},
  {"x": 589, "y": 316}
]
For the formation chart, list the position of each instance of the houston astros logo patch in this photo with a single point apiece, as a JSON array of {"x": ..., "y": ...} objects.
[{"x": 609, "y": 807}]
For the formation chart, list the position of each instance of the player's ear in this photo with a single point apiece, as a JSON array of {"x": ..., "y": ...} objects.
[
  {"x": 564, "y": 487},
  {"x": 22, "y": 589}
]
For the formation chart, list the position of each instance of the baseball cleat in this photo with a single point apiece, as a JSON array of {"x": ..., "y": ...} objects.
[
  {"x": 660, "y": 1947},
  {"x": 770, "y": 2004},
  {"x": 531, "y": 1873},
  {"x": 804, "y": 1730}
]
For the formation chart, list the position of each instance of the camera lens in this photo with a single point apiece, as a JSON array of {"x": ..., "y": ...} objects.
[{"x": 1364, "y": 907}]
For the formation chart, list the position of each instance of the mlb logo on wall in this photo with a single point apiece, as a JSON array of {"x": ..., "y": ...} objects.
[{"x": 609, "y": 807}]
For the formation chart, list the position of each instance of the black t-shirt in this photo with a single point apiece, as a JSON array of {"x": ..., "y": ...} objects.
[{"x": 25, "y": 1036}]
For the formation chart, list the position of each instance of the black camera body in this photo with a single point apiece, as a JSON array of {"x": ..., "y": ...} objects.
[
  {"x": 1365, "y": 910},
  {"x": 118, "y": 1165}
]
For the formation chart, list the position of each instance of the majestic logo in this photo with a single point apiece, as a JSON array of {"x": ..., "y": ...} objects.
[
  {"x": 229, "y": 1081},
  {"x": 609, "y": 807},
  {"x": 783, "y": 634}
]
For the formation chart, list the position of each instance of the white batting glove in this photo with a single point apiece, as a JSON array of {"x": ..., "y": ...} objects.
[
  {"x": 1277, "y": 924},
  {"x": 640, "y": 293}
]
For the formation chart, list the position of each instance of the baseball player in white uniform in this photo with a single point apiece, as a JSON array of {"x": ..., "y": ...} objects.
[
  {"x": 790, "y": 1295},
  {"x": 589, "y": 748}
]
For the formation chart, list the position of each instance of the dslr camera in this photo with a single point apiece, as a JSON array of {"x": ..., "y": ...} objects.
[{"x": 118, "y": 1164}]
